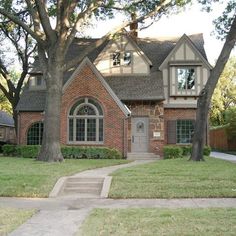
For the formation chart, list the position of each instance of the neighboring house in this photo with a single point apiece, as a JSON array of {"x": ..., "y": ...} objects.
[
  {"x": 7, "y": 130},
  {"x": 132, "y": 94}
]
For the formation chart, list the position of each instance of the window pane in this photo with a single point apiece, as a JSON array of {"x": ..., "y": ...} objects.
[
  {"x": 100, "y": 130},
  {"x": 39, "y": 81},
  {"x": 75, "y": 106},
  {"x": 86, "y": 110},
  {"x": 186, "y": 78},
  {"x": 184, "y": 131},
  {"x": 116, "y": 58},
  {"x": 127, "y": 58},
  {"x": 80, "y": 129},
  {"x": 91, "y": 101},
  {"x": 86, "y": 123},
  {"x": 71, "y": 129},
  {"x": 91, "y": 129},
  {"x": 35, "y": 134}
]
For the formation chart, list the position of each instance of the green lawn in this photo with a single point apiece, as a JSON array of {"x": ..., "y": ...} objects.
[
  {"x": 176, "y": 178},
  {"x": 21, "y": 177},
  {"x": 171, "y": 222},
  {"x": 11, "y": 218}
]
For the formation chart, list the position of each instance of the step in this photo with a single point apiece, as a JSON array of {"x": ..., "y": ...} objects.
[
  {"x": 84, "y": 180},
  {"x": 69, "y": 190},
  {"x": 142, "y": 156},
  {"x": 83, "y": 184}
]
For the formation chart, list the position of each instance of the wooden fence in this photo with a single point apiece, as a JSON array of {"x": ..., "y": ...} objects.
[{"x": 219, "y": 140}]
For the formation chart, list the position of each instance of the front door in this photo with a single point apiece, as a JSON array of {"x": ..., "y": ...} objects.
[{"x": 139, "y": 131}]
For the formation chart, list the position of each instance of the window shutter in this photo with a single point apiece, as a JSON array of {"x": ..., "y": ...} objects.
[{"x": 171, "y": 131}]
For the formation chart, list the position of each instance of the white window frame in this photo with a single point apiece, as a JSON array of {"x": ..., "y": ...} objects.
[
  {"x": 74, "y": 117},
  {"x": 195, "y": 78}
]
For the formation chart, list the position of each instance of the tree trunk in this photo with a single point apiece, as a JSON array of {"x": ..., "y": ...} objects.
[
  {"x": 15, "y": 118},
  {"x": 206, "y": 94},
  {"x": 51, "y": 149}
]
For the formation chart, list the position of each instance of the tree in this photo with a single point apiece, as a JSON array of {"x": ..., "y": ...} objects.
[
  {"x": 224, "y": 95},
  {"x": 230, "y": 118},
  {"x": 205, "y": 96},
  {"x": 4, "y": 104},
  {"x": 21, "y": 47},
  {"x": 53, "y": 43}
]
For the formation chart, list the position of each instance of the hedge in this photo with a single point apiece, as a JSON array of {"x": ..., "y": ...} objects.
[
  {"x": 28, "y": 151},
  {"x": 32, "y": 151},
  {"x": 90, "y": 152},
  {"x": 171, "y": 152},
  {"x": 9, "y": 150}
]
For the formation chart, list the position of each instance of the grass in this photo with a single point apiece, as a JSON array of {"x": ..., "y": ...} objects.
[
  {"x": 20, "y": 177},
  {"x": 171, "y": 222},
  {"x": 176, "y": 178},
  {"x": 11, "y": 218}
]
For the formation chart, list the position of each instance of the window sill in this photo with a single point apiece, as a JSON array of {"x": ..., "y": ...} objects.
[{"x": 84, "y": 143}]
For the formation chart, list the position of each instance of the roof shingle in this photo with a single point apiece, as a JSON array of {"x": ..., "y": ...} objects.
[
  {"x": 6, "y": 119},
  {"x": 125, "y": 87}
]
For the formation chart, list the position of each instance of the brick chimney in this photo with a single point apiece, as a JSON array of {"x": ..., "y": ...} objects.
[{"x": 134, "y": 27}]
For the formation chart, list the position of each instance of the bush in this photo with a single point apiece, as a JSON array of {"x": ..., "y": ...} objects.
[
  {"x": 206, "y": 151},
  {"x": 9, "y": 150},
  {"x": 186, "y": 150},
  {"x": 28, "y": 151},
  {"x": 172, "y": 152},
  {"x": 32, "y": 151},
  {"x": 90, "y": 152}
]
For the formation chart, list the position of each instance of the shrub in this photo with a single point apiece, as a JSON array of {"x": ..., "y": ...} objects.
[
  {"x": 32, "y": 151},
  {"x": 28, "y": 151},
  {"x": 9, "y": 150},
  {"x": 206, "y": 151},
  {"x": 186, "y": 150},
  {"x": 90, "y": 152},
  {"x": 172, "y": 152}
]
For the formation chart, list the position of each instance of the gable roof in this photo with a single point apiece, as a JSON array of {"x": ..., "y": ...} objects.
[
  {"x": 195, "y": 47},
  {"x": 134, "y": 87},
  {"x": 5, "y": 119},
  {"x": 86, "y": 61}
]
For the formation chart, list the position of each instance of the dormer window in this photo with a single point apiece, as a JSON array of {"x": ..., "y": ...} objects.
[
  {"x": 127, "y": 58},
  {"x": 116, "y": 58},
  {"x": 37, "y": 82},
  {"x": 121, "y": 58},
  {"x": 186, "y": 78}
]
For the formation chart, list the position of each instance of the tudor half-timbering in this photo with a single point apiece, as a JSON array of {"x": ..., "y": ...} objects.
[{"x": 132, "y": 94}]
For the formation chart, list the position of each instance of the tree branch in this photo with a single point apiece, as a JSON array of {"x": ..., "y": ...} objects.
[
  {"x": 44, "y": 19},
  {"x": 35, "y": 18},
  {"x": 76, "y": 60},
  {"x": 17, "y": 21},
  {"x": 82, "y": 17}
]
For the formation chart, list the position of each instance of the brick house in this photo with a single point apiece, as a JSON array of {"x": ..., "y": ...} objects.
[{"x": 132, "y": 94}]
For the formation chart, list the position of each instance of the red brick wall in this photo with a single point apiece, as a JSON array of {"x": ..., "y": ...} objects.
[
  {"x": 86, "y": 84},
  {"x": 178, "y": 114},
  {"x": 25, "y": 120}
]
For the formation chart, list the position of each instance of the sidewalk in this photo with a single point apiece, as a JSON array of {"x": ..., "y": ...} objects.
[
  {"x": 62, "y": 216},
  {"x": 224, "y": 156}
]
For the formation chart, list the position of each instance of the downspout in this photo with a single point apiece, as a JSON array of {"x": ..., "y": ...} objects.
[{"x": 125, "y": 138}]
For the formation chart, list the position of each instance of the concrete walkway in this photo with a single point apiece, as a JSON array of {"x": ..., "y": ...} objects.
[
  {"x": 224, "y": 156},
  {"x": 62, "y": 216}
]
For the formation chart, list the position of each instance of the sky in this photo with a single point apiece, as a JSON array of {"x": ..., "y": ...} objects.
[{"x": 191, "y": 21}]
